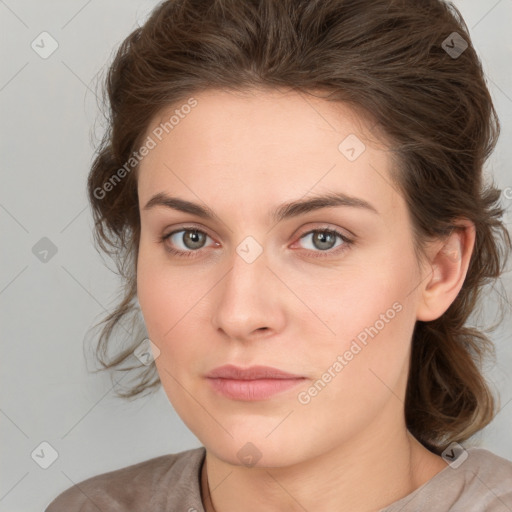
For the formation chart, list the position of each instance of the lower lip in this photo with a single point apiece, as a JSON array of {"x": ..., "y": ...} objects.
[{"x": 257, "y": 389}]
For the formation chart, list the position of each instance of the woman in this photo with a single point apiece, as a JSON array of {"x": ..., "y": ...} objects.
[{"x": 293, "y": 192}]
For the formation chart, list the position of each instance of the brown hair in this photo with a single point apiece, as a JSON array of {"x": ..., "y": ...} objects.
[{"x": 395, "y": 60}]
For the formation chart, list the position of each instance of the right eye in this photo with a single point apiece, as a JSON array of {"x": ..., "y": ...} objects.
[{"x": 189, "y": 240}]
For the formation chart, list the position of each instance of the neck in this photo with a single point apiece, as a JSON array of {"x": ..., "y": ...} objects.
[{"x": 360, "y": 476}]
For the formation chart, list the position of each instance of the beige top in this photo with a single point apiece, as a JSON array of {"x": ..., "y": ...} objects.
[{"x": 482, "y": 483}]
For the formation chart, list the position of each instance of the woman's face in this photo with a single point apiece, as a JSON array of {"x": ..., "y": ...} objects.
[{"x": 257, "y": 285}]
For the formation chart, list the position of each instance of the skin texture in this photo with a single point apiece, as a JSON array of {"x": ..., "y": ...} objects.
[{"x": 243, "y": 155}]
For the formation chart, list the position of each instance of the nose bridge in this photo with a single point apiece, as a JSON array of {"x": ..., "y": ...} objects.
[
  {"x": 249, "y": 273},
  {"x": 246, "y": 302}
]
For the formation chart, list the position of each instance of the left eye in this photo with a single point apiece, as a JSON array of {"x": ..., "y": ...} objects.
[{"x": 324, "y": 239}]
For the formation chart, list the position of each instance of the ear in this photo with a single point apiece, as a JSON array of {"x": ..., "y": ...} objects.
[{"x": 448, "y": 262}]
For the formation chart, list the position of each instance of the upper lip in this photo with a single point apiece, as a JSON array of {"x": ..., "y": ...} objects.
[{"x": 230, "y": 371}]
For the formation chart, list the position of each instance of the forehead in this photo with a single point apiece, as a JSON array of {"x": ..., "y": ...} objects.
[
  {"x": 273, "y": 144},
  {"x": 274, "y": 118}
]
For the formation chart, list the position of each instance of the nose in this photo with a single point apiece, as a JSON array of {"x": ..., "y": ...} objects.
[{"x": 249, "y": 300}]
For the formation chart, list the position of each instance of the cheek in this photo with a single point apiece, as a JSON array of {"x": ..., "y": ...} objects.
[
  {"x": 370, "y": 313},
  {"x": 155, "y": 299},
  {"x": 166, "y": 305},
  {"x": 362, "y": 373},
  {"x": 172, "y": 305},
  {"x": 164, "y": 292},
  {"x": 364, "y": 300}
]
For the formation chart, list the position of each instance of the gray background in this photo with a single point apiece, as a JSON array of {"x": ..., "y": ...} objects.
[{"x": 50, "y": 123}]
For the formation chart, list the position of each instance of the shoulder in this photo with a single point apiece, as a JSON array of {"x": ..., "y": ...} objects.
[
  {"x": 486, "y": 461},
  {"x": 164, "y": 482},
  {"x": 477, "y": 481},
  {"x": 485, "y": 480},
  {"x": 493, "y": 471},
  {"x": 488, "y": 467}
]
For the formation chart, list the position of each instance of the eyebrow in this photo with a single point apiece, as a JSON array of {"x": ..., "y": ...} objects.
[{"x": 283, "y": 211}]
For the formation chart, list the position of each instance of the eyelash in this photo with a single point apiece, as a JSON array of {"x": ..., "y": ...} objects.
[{"x": 347, "y": 242}]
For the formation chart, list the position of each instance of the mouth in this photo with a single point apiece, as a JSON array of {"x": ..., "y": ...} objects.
[
  {"x": 248, "y": 390},
  {"x": 253, "y": 383}
]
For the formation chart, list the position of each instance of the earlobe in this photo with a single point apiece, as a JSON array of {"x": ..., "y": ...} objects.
[{"x": 449, "y": 262}]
